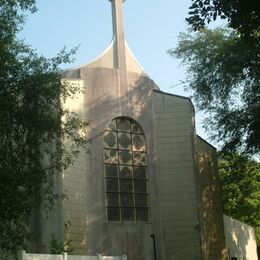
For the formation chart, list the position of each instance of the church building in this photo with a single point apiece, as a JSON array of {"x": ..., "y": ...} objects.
[{"x": 149, "y": 189}]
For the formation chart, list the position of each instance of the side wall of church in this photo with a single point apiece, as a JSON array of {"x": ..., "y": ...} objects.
[
  {"x": 75, "y": 186},
  {"x": 75, "y": 204},
  {"x": 66, "y": 221},
  {"x": 174, "y": 120},
  {"x": 212, "y": 227}
]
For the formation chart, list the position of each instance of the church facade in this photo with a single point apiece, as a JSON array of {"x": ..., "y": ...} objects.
[{"x": 149, "y": 189}]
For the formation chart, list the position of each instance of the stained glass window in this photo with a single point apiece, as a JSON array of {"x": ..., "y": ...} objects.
[{"x": 125, "y": 172}]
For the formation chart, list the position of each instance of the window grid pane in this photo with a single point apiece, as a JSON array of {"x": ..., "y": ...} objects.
[
  {"x": 111, "y": 170},
  {"x": 113, "y": 214},
  {"x": 110, "y": 140},
  {"x": 112, "y": 200},
  {"x": 125, "y": 171}
]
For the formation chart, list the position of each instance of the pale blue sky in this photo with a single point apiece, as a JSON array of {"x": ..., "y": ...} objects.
[{"x": 151, "y": 28}]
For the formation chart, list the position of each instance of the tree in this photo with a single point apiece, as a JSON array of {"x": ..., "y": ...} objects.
[
  {"x": 240, "y": 178},
  {"x": 224, "y": 77},
  {"x": 242, "y": 15},
  {"x": 31, "y": 127}
]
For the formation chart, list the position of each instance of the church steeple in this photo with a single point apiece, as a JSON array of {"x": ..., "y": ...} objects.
[
  {"x": 117, "y": 56},
  {"x": 119, "y": 38}
]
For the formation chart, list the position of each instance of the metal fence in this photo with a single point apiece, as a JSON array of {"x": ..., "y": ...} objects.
[{"x": 27, "y": 256}]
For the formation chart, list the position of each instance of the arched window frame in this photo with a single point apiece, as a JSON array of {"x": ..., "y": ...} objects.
[{"x": 125, "y": 172}]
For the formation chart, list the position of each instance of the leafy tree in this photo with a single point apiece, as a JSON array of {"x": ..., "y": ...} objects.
[
  {"x": 224, "y": 77},
  {"x": 242, "y": 15},
  {"x": 31, "y": 130},
  {"x": 240, "y": 178}
]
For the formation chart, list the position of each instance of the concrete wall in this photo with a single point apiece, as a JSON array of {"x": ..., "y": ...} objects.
[
  {"x": 111, "y": 93},
  {"x": 75, "y": 184},
  {"x": 67, "y": 220},
  {"x": 75, "y": 204},
  {"x": 240, "y": 239},
  {"x": 174, "y": 120},
  {"x": 212, "y": 229}
]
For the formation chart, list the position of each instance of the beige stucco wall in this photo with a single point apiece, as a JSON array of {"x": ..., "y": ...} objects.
[
  {"x": 75, "y": 204},
  {"x": 240, "y": 239},
  {"x": 174, "y": 120},
  {"x": 212, "y": 229},
  {"x": 74, "y": 183},
  {"x": 110, "y": 93}
]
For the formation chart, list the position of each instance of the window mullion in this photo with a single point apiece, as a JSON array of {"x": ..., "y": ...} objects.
[{"x": 130, "y": 182}]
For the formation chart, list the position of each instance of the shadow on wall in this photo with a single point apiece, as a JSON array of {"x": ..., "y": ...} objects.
[
  {"x": 240, "y": 239},
  {"x": 213, "y": 238},
  {"x": 136, "y": 104}
]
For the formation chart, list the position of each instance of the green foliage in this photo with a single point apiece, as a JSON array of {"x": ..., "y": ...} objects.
[
  {"x": 240, "y": 178},
  {"x": 224, "y": 77},
  {"x": 242, "y": 15},
  {"x": 58, "y": 247},
  {"x": 12, "y": 17},
  {"x": 32, "y": 133}
]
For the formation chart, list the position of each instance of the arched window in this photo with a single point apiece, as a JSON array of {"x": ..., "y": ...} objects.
[{"x": 125, "y": 168}]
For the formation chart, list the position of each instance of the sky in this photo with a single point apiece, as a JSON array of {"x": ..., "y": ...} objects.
[{"x": 151, "y": 28}]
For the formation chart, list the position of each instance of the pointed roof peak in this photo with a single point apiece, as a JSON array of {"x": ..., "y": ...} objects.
[{"x": 118, "y": 55}]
